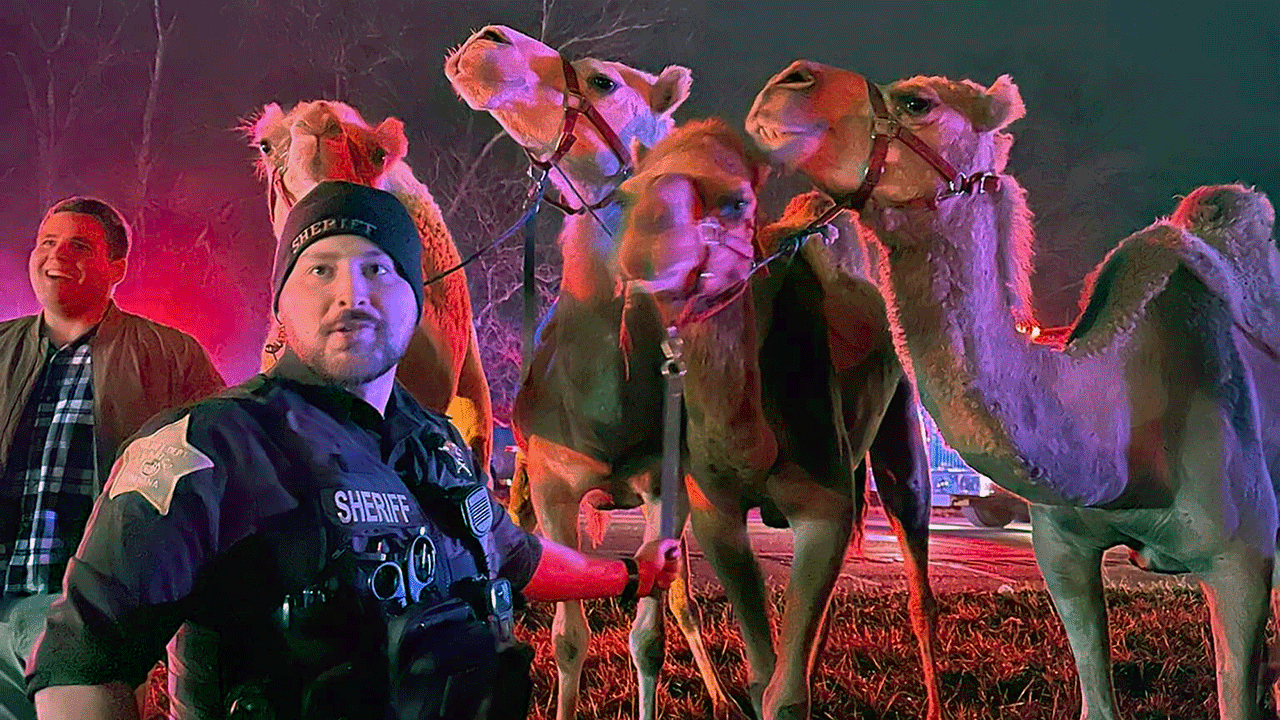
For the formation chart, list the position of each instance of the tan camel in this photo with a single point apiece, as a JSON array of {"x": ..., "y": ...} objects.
[
  {"x": 328, "y": 140},
  {"x": 1142, "y": 431},
  {"x": 588, "y": 413},
  {"x": 780, "y": 437}
]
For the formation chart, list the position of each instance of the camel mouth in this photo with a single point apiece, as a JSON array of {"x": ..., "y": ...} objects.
[
  {"x": 788, "y": 143},
  {"x": 474, "y": 70},
  {"x": 778, "y": 135}
]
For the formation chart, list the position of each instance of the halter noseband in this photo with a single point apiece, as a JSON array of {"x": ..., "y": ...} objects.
[
  {"x": 886, "y": 128},
  {"x": 576, "y": 104}
]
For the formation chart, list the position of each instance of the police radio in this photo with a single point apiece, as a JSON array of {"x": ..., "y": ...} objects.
[{"x": 468, "y": 508}]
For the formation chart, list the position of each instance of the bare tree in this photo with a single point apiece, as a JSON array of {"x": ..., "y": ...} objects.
[
  {"x": 59, "y": 80},
  {"x": 146, "y": 161},
  {"x": 352, "y": 44}
]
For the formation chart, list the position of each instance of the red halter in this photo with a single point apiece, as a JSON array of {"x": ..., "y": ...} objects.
[
  {"x": 886, "y": 128},
  {"x": 576, "y": 103}
]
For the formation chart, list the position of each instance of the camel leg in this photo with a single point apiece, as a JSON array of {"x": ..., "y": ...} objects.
[
  {"x": 821, "y": 521},
  {"x": 648, "y": 631},
  {"x": 722, "y": 533},
  {"x": 680, "y": 602},
  {"x": 1237, "y": 591},
  {"x": 1273, "y": 662},
  {"x": 901, "y": 467},
  {"x": 1072, "y": 567},
  {"x": 555, "y": 503}
]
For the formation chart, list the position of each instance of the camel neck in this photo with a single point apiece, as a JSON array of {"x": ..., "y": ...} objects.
[
  {"x": 997, "y": 397},
  {"x": 589, "y": 254},
  {"x": 721, "y": 353}
]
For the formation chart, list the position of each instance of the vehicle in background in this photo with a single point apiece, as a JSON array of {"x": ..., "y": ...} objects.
[
  {"x": 502, "y": 466},
  {"x": 955, "y": 484}
]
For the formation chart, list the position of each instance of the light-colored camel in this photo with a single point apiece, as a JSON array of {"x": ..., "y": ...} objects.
[
  {"x": 763, "y": 394},
  {"x": 1142, "y": 431},
  {"x": 328, "y": 140},
  {"x": 588, "y": 414}
]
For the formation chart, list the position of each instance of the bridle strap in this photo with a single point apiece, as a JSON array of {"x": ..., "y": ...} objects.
[
  {"x": 564, "y": 207},
  {"x": 886, "y": 128},
  {"x": 577, "y": 103}
]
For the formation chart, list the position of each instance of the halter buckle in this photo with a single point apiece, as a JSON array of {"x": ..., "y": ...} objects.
[
  {"x": 884, "y": 126},
  {"x": 673, "y": 350}
]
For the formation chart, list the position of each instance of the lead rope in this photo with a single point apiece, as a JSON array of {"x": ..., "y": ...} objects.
[{"x": 673, "y": 371}]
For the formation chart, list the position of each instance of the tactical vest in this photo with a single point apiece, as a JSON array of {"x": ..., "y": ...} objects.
[{"x": 388, "y": 594}]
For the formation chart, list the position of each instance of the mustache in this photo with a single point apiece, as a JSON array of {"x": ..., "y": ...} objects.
[{"x": 351, "y": 317}]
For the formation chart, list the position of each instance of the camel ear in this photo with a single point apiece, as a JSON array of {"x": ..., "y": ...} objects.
[
  {"x": 1002, "y": 105},
  {"x": 638, "y": 151},
  {"x": 671, "y": 89},
  {"x": 391, "y": 138},
  {"x": 270, "y": 114}
]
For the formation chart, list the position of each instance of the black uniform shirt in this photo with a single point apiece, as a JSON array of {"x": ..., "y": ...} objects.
[{"x": 214, "y": 512}]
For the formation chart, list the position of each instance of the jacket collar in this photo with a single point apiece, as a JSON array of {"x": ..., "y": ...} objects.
[
  {"x": 404, "y": 415},
  {"x": 103, "y": 332}
]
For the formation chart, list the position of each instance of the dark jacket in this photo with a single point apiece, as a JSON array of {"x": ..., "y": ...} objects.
[
  {"x": 140, "y": 367},
  {"x": 219, "y": 511}
]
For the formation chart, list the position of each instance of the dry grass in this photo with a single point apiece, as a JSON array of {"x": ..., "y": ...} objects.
[{"x": 1004, "y": 655}]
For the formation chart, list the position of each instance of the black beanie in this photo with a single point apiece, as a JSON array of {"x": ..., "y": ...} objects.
[{"x": 336, "y": 207}]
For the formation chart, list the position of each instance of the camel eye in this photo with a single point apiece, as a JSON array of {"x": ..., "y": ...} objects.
[
  {"x": 915, "y": 105},
  {"x": 603, "y": 83},
  {"x": 378, "y": 155},
  {"x": 734, "y": 207},
  {"x": 265, "y": 146}
]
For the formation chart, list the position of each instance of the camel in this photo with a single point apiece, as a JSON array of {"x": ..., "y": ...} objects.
[
  {"x": 329, "y": 140},
  {"x": 1143, "y": 430},
  {"x": 763, "y": 394},
  {"x": 588, "y": 414}
]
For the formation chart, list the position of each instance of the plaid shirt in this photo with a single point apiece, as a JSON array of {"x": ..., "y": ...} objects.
[{"x": 50, "y": 482}]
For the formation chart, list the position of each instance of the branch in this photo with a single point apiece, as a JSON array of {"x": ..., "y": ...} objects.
[
  {"x": 469, "y": 178},
  {"x": 149, "y": 111},
  {"x": 105, "y": 56},
  {"x": 62, "y": 34},
  {"x": 31, "y": 94},
  {"x": 546, "y": 20},
  {"x": 616, "y": 30}
]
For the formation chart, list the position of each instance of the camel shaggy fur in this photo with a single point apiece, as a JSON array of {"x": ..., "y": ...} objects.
[
  {"x": 588, "y": 414},
  {"x": 1143, "y": 431},
  {"x": 766, "y": 396},
  {"x": 328, "y": 140}
]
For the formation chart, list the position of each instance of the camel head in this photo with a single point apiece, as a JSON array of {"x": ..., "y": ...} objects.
[
  {"x": 520, "y": 82},
  {"x": 317, "y": 141},
  {"x": 690, "y": 214},
  {"x": 818, "y": 119}
]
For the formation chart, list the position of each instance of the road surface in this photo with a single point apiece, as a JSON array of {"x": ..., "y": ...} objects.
[{"x": 961, "y": 557}]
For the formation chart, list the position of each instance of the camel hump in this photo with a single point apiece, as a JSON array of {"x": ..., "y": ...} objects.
[
  {"x": 1136, "y": 271},
  {"x": 1239, "y": 223}
]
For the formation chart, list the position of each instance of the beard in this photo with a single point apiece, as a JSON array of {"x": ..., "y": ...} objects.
[{"x": 361, "y": 362}]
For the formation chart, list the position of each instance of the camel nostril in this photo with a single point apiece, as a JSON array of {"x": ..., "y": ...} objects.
[
  {"x": 797, "y": 76},
  {"x": 493, "y": 36}
]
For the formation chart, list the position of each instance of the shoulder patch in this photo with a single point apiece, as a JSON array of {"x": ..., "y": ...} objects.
[
  {"x": 459, "y": 457},
  {"x": 152, "y": 465}
]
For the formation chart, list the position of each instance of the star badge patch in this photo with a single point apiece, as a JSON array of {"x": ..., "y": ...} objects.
[{"x": 151, "y": 466}]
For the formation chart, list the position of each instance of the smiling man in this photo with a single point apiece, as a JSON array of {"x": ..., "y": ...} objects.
[
  {"x": 317, "y": 539},
  {"x": 75, "y": 381}
]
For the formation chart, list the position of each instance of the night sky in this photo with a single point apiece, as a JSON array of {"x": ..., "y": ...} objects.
[{"x": 1128, "y": 105}]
